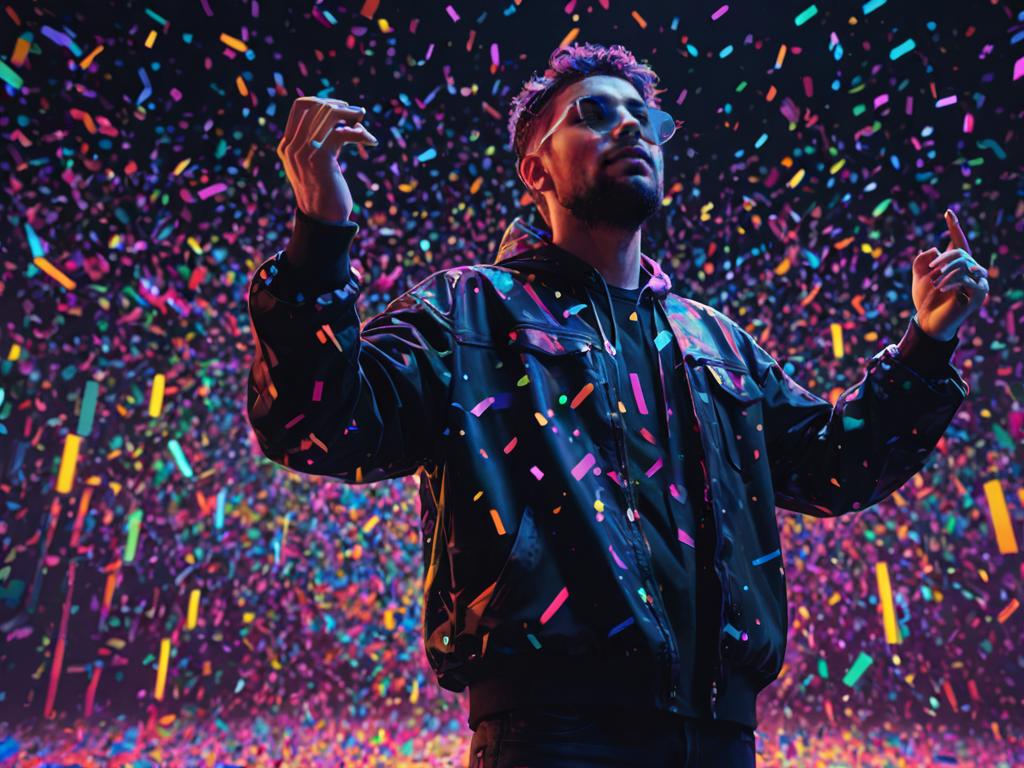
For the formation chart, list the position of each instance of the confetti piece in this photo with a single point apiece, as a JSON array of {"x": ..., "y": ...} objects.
[
  {"x": 892, "y": 630},
  {"x": 557, "y": 603},
  {"x": 767, "y": 558},
  {"x": 161, "y": 671},
  {"x": 860, "y": 665},
  {"x": 1006, "y": 539}
]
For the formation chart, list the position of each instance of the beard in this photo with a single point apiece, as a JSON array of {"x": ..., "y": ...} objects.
[{"x": 612, "y": 200}]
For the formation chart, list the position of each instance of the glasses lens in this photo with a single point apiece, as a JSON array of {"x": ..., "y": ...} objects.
[{"x": 656, "y": 126}]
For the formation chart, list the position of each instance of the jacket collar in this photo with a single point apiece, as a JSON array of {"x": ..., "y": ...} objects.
[{"x": 523, "y": 241}]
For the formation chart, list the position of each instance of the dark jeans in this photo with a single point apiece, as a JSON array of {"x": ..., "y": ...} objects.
[{"x": 572, "y": 739}]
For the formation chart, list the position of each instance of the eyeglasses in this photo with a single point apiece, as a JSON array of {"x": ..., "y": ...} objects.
[{"x": 600, "y": 114}]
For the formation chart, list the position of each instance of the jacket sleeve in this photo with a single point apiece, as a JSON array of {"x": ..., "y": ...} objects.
[
  {"x": 328, "y": 397},
  {"x": 826, "y": 461}
]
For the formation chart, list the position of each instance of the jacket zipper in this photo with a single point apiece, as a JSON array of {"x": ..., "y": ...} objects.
[
  {"x": 716, "y": 561},
  {"x": 669, "y": 686}
]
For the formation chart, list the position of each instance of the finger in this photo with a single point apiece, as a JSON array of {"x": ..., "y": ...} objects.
[
  {"x": 299, "y": 108},
  {"x": 920, "y": 265},
  {"x": 298, "y": 139},
  {"x": 959, "y": 277},
  {"x": 331, "y": 116},
  {"x": 343, "y": 134},
  {"x": 944, "y": 258},
  {"x": 956, "y": 234},
  {"x": 960, "y": 262}
]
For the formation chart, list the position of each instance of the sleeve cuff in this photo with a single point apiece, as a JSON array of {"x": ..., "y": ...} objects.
[
  {"x": 925, "y": 354},
  {"x": 317, "y": 256}
]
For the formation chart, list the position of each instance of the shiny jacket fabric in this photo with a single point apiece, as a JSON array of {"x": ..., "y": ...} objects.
[{"x": 494, "y": 385}]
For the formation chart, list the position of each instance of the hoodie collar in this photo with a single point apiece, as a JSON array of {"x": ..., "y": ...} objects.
[{"x": 525, "y": 241}]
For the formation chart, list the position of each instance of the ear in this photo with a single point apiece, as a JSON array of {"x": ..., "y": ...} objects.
[{"x": 534, "y": 173}]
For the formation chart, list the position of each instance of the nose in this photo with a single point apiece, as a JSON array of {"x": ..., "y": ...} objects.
[{"x": 630, "y": 125}]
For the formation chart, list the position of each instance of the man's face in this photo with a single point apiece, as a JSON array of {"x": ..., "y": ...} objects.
[{"x": 623, "y": 193}]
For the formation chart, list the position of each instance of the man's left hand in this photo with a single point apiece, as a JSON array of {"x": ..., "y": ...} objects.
[{"x": 948, "y": 287}]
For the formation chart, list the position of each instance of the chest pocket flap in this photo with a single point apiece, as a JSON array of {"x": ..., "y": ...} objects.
[
  {"x": 735, "y": 382},
  {"x": 549, "y": 341}
]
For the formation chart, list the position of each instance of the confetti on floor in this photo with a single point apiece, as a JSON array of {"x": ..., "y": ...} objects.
[{"x": 182, "y": 601}]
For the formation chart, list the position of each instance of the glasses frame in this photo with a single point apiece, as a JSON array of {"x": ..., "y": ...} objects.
[{"x": 651, "y": 112}]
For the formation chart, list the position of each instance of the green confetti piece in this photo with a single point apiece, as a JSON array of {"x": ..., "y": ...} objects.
[
  {"x": 134, "y": 524},
  {"x": 806, "y": 15},
  {"x": 179, "y": 457},
  {"x": 879, "y": 209},
  {"x": 85, "y": 416},
  {"x": 859, "y": 666},
  {"x": 823, "y": 669},
  {"x": 9, "y": 76}
]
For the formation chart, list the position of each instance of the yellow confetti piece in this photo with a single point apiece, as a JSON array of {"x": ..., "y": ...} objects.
[
  {"x": 233, "y": 43},
  {"x": 68, "y": 461},
  {"x": 837, "y": 340},
  {"x": 181, "y": 166},
  {"x": 892, "y": 630},
  {"x": 156, "y": 395},
  {"x": 370, "y": 524},
  {"x": 1006, "y": 539},
  {"x": 161, "y": 670},
  {"x": 14, "y": 353},
  {"x": 836, "y": 167},
  {"x": 151, "y": 38},
  {"x": 192, "y": 619},
  {"x": 796, "y": 179}
]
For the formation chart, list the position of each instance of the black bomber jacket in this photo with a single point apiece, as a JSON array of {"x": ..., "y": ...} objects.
[{"x": 481, "y": 381}]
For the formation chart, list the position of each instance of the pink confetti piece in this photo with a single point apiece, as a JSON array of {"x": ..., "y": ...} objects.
[
  {"x": 555, "y": 605},
  {"x": 451, "y": 12},
  {"x": 638, "y": 393},
  {"x": 685, "y": 537},
  {"x": 617, "y": 559},
  {"x": 1018, "y": 68},
  {"x": 482, "y": 406},
  {"x": 583, "y": 466},
  {"x": 720, "y": 13},
  {"x": 211, "y": 190}
]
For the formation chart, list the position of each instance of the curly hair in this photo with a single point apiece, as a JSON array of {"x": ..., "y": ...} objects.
[{"x": 567, "y": 65}]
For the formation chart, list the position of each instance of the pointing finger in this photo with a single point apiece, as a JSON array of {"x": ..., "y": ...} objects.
[{"x": 956, "y": 234}]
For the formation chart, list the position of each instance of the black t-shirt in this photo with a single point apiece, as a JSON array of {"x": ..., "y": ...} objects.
[{"x": 665, "y": 470}]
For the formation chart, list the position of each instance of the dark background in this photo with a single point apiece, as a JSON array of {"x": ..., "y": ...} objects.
[{"x": 307, "y": 607}]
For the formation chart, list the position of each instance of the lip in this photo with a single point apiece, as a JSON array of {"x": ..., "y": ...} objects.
[{"x": 630, "y": 154}]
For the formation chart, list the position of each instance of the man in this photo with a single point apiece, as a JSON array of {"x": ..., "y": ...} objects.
[{"x": 600, "y": 459}]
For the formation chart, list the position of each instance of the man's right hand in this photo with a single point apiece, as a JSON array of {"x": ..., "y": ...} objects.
[{"x": 316, "y": 130}]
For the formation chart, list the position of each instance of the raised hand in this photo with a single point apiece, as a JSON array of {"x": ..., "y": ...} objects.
[
  {"x": 948, "y": 287},
  {"x": 313, "y": 137}
]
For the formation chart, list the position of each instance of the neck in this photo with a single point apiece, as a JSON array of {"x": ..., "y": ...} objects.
[{"x": 615, "y": 253}]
